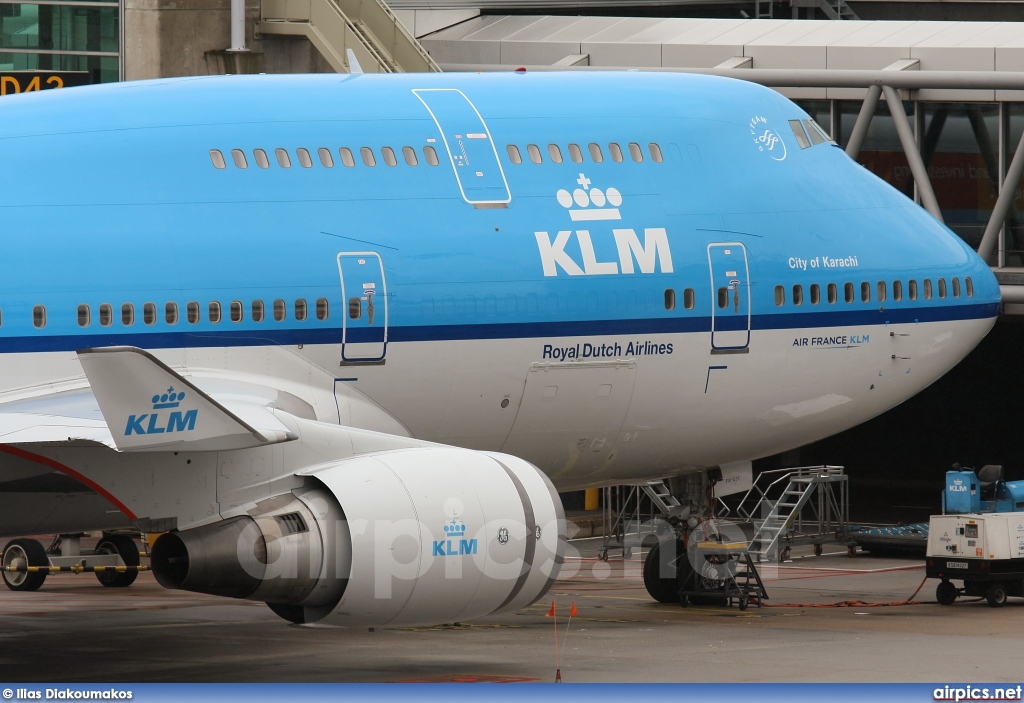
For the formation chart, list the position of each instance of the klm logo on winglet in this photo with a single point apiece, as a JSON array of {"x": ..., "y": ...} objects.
[
  {"x": 455, "y": 544},
  {"x": 158, "y": 422},
  {"x": 586, "y": 204}
]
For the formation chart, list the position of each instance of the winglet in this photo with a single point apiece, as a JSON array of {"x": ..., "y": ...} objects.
[{"x": 148, "y": 406}]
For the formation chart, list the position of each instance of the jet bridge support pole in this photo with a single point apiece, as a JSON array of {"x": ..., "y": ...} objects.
[
  {"x": 1003, "y": 202},
  {"x": 917, "y": 167},
  {"x": 860, "y": 127}
]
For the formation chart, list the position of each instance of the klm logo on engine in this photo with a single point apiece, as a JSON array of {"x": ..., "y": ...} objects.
[
  {"x": 575, "y": 252},
  {"x": 455, "y": 544},
  {"x": 160, "y": 422}
]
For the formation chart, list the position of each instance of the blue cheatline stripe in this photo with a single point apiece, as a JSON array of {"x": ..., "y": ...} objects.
[{"x": 270, "y": 336}]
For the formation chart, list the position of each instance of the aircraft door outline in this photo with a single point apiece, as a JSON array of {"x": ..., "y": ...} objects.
[
  {"x": 730, "y": 297},
  {"x": 470, "y": 148},
  {"x": 364, "y": 296}
]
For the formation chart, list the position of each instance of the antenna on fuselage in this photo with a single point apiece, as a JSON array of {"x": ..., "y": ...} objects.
[{"x": 353, "y": 62}]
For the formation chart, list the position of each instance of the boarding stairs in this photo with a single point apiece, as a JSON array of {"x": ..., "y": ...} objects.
[
  {"x": 806, "y": 505},
  {"x": 832, "y": 9},
  {"x": 368, "y": 29}
]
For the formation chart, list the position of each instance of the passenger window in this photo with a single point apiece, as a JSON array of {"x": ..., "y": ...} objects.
[
  {"x": 813, "y": 133},
  {"x": 970, "y": 286},
  {"x": 192, "y": 312},
  {"x": 595, "y": 153},
  {"x": 780, "y": 295},
  {"x": 171, "y": 313},
  {"x": 670, "y": 299},
  {"x": 283, "y": 160},
  {"x": 257, "y": 311},
  {"x": 927, "y": 289},
  {"x": 304, "y": 160},
  {"x": 389, "y": 156},
  {"x": 323, "y": 310},
  {"x": 346, "y": 156},
  {"x": 815, "y": 294},
  {"x": 238, "y": 156},
  {"x": 833, "y": 294},
  {"x": 149, "y": 313},
  {"x": 214, "y": 311},
  {"x": 280, "y": 310},
  {"x": 555, "y": 153},
  {"x": 942, "y": 287},
  {"x": 326, "y": 160},
  {"x": 217, "y": 158},
  {"x": 912, "y": 289},
  {"x": 798, "y": 132},
  {"x": 300, "y": 309},
  {"x": 689, "y": 299},
  {"x": 355, "y": 308},
  {"x": 655, "y": 150},
  {"x": 897, "y": 290},
  {"x": 723, "y": 297},
  {"x": 575, "y": 153},
  {"x": 635, "y": 152},
  {"x": 956, "y": 287},
  {"x": 865, "y": 292},
  {"x": 84, "y": 316},
  {"x": 616, "y": 151},
  {"x": 430, "y": 154},
  {"x": 235, "y": 311},
  {"x": 881, "y": 291},
  {"x": 127, "y": 314},
  {"x": 798, "y": 295},
  {"x": 261, "y": 158},
  {"x": 848, "y": 292},
  {"x": 534, "y": 151},
  {"x": 367, "y": 154},
  {"x": 513, "y": 154},
  {"x": 106, "y": 315},
  {"x": 410, "y": 155},
  {"x": 39, "y": 316}
]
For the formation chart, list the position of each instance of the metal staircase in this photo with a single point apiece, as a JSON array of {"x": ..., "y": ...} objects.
[
  {"x": 811, "y": 498},
  {"x": 832, "y": 9},
  {"x": 662, "y": 498},
  {"x": 379, "y": 41}
]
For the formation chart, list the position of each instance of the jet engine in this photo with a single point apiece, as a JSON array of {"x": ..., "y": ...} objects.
[{"x": 408, "y": 537}]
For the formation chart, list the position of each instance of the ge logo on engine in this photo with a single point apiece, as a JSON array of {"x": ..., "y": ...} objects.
[{"x": 503, "y": 535}]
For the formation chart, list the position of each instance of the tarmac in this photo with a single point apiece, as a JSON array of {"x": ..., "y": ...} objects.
[{"x": 75, "y": 630}]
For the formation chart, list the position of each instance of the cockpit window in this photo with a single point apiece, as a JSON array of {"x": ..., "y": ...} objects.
[{"x": 798, "y": 132}]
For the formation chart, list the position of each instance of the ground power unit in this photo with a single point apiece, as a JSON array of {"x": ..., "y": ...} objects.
[{"x": 985, "y": 551}]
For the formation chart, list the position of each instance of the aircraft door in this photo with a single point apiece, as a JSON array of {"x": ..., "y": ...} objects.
[
  {"x": 364, "y": 333},
  {"x": 469, "y": 146},
  {"x": 730, "y": 297}
]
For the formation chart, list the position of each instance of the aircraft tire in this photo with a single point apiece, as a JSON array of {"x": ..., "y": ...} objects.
[
  {"x": 24, "y": 552},
  {"x": 664, "y": 589},
  {"x": 125, "y": 547}
]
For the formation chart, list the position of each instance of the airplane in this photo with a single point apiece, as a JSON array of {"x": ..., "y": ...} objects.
[{"x": 342, "y": 338}]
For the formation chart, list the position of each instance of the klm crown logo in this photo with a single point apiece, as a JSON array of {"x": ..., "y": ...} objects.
[
  {"x": 591, "y": 203},
  {"x": 455, "y": 544},
  {"x": 158, "y": 423}
]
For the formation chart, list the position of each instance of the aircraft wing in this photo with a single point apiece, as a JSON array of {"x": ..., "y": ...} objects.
[{"x": 134, "y": 402}]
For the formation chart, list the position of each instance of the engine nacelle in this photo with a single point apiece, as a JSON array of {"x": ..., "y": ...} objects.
[{"x": 407, "y": 537}]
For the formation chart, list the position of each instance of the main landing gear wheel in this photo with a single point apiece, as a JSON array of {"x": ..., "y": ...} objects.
[
  {"x": 124, "y": 546},
  {"x": 21, "y": 553},
  {"x": 945, "y": 593},
  {"x": 657, "y": 567},
  {"x": 996, "y": 595}
]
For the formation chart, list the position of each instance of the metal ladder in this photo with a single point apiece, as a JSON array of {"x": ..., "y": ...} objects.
[{"x": 780, "y": 520}]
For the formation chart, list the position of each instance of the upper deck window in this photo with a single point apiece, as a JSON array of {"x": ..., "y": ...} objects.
[
  {"x": 555, "y": 153},
  {"x": 575, "y": 153},
  {"x": 430, "y": 154},
  {"x": 596, "y": 155},
  {"x": 410, "y": 155},
  {"x": 513, "y": 154},
  {"x": 283, "y": 160},
  {"x": 635, "y": 152},
  {"x": 368, "y": 157},
  {"x": 261, "y": 158},
  {"x": 238, "y": 156},
  {"x": 389, "y": 156},
  {"x": 616, "y": 151},
  {"x": 326, "y": 160},
  {"x": 304, "y": 159},
  {"x": 534, "y": 151},
  {"x": 346, "y": 156},
  {"x": 655, "y": 150},
  {"x": 217, "y": 158}
]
